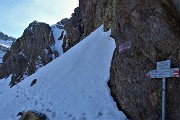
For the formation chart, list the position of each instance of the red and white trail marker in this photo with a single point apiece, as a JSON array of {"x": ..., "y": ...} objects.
[{"x": 176, "y": 73}]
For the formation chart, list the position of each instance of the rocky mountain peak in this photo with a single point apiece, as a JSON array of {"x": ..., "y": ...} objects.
[
  {"x": 63, "y": 21},
  {"x": 34, "y": 23},
  {"x": 31, "y": 51},
  {"x": 60, "y": 24}
]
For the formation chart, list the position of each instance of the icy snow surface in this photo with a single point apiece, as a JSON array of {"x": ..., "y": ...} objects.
[{"x": 71, "y": 87}]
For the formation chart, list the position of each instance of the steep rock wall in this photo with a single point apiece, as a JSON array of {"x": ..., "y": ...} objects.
[{"x": 146, "y": 31}]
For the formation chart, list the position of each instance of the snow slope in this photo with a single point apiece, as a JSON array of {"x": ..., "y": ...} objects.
[
  {"x": 4, "y": 84},
  {"x": 71, "y": 87}
]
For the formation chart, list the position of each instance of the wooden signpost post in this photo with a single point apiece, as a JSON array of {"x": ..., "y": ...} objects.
[{"x": 164, "y": 71}]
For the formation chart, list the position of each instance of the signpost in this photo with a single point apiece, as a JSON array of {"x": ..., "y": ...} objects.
[{"x": 164, "y": 71}]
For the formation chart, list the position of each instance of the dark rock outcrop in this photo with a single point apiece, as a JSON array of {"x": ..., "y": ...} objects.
[
  {"x": 33, "y": 115},
  {"x": 146, "y": 31},
  {"x": 32, "y": 50},
  {"x": 6, "y": 37}
]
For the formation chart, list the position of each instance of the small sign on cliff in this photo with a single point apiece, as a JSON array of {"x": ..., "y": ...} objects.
[{"x": 164, "y": 70}]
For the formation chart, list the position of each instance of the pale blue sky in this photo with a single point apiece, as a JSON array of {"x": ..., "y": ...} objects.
[{"x": 15, "y": 15}]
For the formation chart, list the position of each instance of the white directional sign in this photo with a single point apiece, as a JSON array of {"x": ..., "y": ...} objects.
[
  {"x": 163, "y": 65},
  {"x": 164, "y": 71},
  {"x": 173, "y": 72}
]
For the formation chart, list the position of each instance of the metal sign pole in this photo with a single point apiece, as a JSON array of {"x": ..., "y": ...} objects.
[{"x": 163, "y": 98}]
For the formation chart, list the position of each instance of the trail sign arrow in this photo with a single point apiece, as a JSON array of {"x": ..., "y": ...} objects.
[{"x": 164, "y": 71}]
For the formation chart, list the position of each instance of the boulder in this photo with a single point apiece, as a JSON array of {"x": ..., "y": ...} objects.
[{"x": 33, "y": 115}]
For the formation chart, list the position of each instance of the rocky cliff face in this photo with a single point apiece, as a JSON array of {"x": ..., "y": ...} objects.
[
  {"x": 31, "y": 51},
  {"x": 146, "y": 31}
]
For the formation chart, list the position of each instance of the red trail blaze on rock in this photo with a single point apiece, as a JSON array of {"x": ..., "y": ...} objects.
[
  {"x": 176, "y": 73},
  {"x": 148, "y": 75}
]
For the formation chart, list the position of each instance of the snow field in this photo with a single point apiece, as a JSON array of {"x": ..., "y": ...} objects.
[{"x": 71, "y": 87}]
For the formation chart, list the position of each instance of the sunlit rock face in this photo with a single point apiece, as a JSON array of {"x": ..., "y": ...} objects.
[
  {"x": 29, "y": 52},
  {"x": 146, "y": 31}
]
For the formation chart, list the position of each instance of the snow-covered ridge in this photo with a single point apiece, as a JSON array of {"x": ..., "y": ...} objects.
[
  {"x": 6, "y": 37},
  {"x": 73, "y": 86},
  {"x": 6, "y": 43},
  {"x": 4, "y": 47}
]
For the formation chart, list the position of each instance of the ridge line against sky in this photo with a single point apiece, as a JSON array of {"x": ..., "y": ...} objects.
[{"x": 17, "y": 14}]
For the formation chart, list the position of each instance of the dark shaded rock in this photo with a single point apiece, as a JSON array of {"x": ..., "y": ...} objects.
[
  {"x": 33, "y": 82},
  {"x": 32, "y": 50},
  {"x": 145, "y": 31},
  {"x": 176, "y": 3},
  {"x": 33, "y": 115},
  {"x": 64, "y": 21},
  {"x": 61, "y": 23},
  {"x": 61, "y": 36},
  {"x": 20, "y": 113},
  {"x": 6, "y": 37}
]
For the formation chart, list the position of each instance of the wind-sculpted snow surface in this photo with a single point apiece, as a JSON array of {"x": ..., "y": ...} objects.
[{"x": 72, "y": 87}]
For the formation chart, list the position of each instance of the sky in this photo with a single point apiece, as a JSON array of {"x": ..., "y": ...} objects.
[{"x": 16, "y": 15}]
